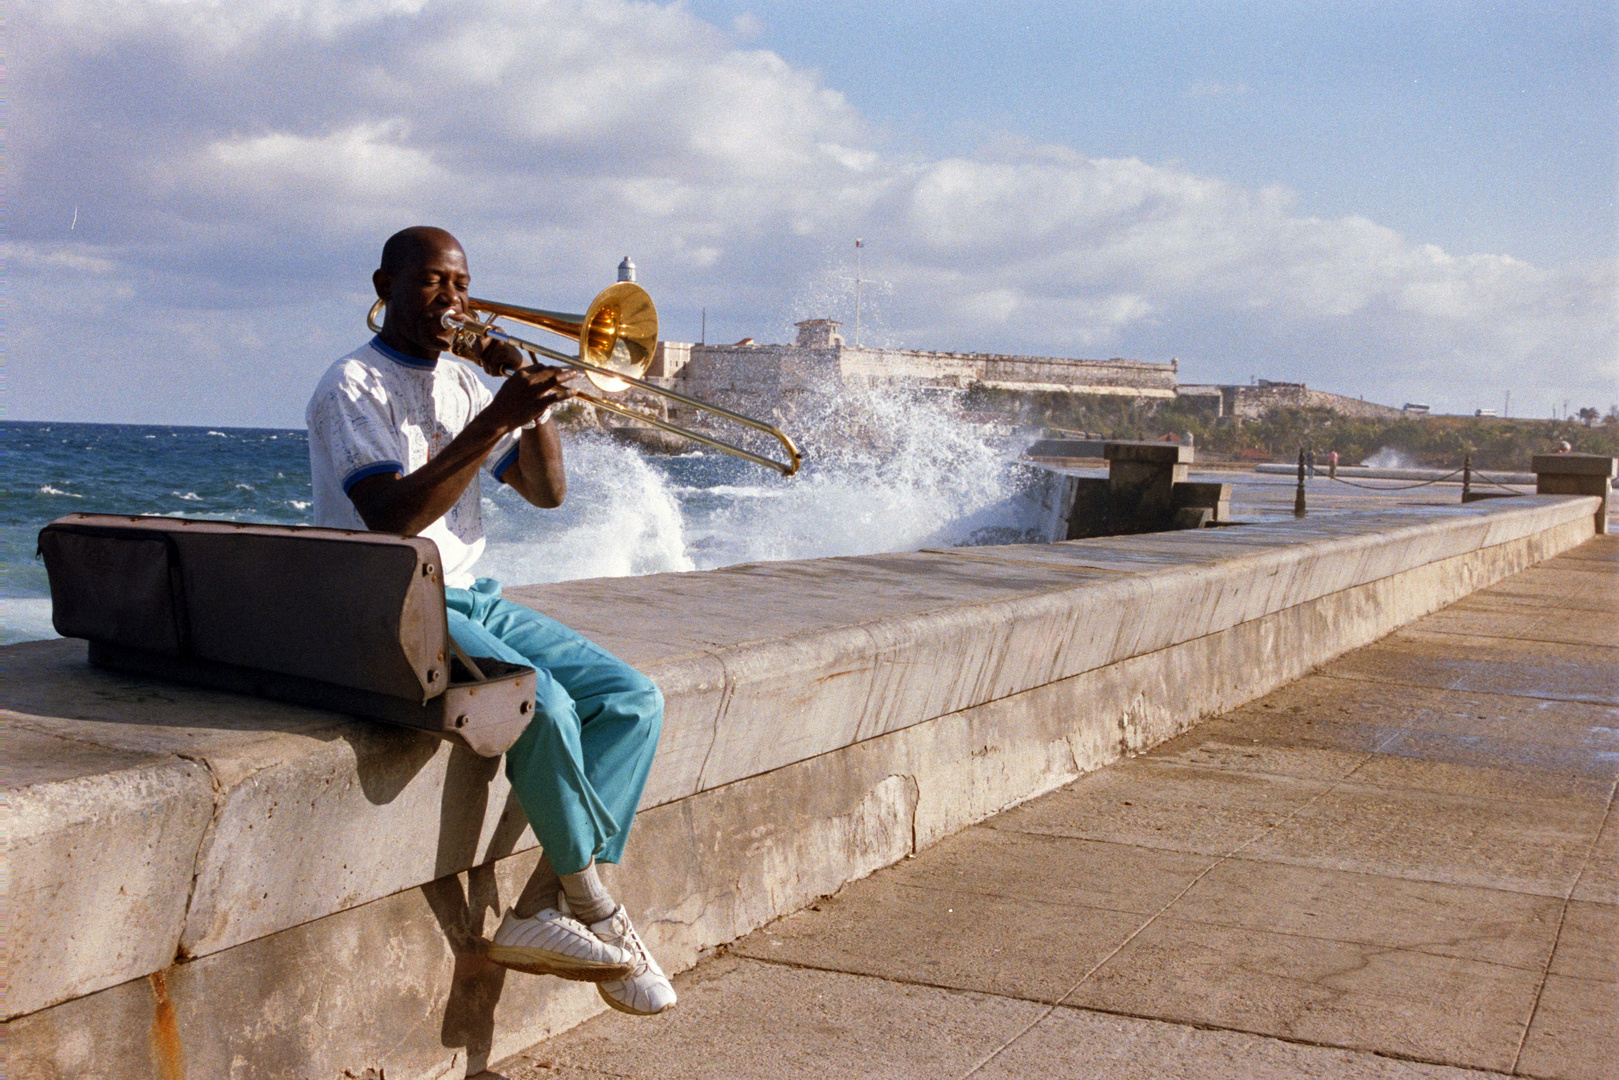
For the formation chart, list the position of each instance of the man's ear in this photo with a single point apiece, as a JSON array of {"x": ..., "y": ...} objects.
[{"x": 383, "y": 282}]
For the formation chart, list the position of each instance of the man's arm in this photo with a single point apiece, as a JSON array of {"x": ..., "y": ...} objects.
[
  {"x": 537, "y": 474},
  {"x": 410, "y": 503}
]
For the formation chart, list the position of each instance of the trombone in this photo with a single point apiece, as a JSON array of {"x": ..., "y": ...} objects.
[{"x": 617, "y": 336}]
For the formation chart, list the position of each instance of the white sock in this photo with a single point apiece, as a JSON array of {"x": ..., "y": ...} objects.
[{"x": 588, "y": 898}]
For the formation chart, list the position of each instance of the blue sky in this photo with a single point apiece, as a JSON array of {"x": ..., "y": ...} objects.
[
  {"x": 1480, "y": 127},
  {"x": 1410, "y": 201}
]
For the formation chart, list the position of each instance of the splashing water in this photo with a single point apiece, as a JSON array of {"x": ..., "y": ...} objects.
[
  {"x": 620, "y": 518},
  {"x": 1389, "y": 458},
  {"x": 885, "y": 471}
]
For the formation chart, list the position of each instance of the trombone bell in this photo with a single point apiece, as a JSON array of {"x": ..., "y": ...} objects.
[{"x": 618, "y": 335}]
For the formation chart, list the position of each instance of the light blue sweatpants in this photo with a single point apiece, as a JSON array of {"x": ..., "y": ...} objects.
[{"x": 579, "y": 767}]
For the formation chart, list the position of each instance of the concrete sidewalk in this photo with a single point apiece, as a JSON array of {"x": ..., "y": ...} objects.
[{"x": 1404, "y": 864}]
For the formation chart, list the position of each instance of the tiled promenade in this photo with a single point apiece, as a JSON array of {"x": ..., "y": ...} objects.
[{"x": 1404, "y": 865}]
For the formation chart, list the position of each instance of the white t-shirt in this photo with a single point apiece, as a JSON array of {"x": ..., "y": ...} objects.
[{"x": 380, "y": 411}]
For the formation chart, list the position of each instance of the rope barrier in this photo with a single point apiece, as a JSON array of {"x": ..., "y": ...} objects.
[
  {"x": 1403, "y": 487},
  {"x": 1499, "y": 484}
]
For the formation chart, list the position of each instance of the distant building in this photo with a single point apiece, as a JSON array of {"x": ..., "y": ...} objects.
[{"x": 819, "y": 334}]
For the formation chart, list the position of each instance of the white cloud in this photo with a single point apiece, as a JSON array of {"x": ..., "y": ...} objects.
[
  {"x": 371, "y": 163},
  {"x": 248, "y": 157}
]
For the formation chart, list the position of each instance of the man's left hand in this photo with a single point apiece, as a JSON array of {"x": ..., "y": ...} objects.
[{"x": 499, "y": 359}]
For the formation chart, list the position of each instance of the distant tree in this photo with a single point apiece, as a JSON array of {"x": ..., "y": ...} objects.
[
  {"x": 1588, "y": 415},
  {"x": 1612, "y": 419}
]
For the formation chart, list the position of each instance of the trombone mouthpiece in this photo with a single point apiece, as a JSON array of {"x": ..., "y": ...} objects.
[{"x": 450, "y": 320}]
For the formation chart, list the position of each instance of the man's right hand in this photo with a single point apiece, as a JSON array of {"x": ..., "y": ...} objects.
[{"x": 528, "y": 392}]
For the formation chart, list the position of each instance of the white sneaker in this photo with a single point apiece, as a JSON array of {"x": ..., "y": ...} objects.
[
  {"x": 647, "y": 991},
  {"x": 552, "y": 943}
]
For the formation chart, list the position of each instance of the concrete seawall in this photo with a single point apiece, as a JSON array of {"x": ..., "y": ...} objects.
[{"x": 206, "y": 885}]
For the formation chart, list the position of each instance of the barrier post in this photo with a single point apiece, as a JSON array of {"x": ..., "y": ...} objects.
[
  {"x": 1298, "y": 496},
  {"x": 1577, "y": 474}
]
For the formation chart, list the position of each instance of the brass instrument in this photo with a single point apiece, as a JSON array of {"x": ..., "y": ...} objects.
[{"x": 617, "y": 336}]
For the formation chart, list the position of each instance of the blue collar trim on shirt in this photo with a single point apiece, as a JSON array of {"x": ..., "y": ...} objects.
[{"x": 400, "y": 358}]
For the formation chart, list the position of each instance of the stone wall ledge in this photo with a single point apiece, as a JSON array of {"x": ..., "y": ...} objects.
[{"x": 153, "y": 822}]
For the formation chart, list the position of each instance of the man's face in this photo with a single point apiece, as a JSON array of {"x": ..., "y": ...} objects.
[{"x": 420, "y": 293}]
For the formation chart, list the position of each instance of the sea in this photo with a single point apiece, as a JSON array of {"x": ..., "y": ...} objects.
[{"x": 887, "y": 472}]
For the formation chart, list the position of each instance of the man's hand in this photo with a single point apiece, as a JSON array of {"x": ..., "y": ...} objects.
[
  {"x": 528, "y": 392},
  {"x": 498, "y": 358},
  {"x": 529, "y": 389}
]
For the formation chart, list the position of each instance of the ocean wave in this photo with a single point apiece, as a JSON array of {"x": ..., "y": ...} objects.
[
  {"x": 26, "y": 619},
  {"x": 221, "y": 434},
  {"x": 298, "y": 504},
  {"x": 890, "y": 472},
  {"x": 48, "y": 490},
  {"x": 732, "y": 491},
  {"x": 189, "y": 496},
  {"x": 240, "y": 486}
]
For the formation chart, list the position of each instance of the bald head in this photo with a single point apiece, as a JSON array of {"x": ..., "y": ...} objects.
[
  {"x": 409, "y": 248},
  {"x": 422, "y": 276}
]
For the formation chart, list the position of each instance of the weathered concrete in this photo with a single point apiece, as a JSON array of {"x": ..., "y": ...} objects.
[
  {"x": 825, "y": 719},
  {"x": 1371, "y": 872},
  {"x": 1146, "y": 491},
  {"x": 101, "y": 830},
  {"x": 1578, "y": 474}
]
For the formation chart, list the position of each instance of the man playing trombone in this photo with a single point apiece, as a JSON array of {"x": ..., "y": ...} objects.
[{"x": 398, "y": 434}]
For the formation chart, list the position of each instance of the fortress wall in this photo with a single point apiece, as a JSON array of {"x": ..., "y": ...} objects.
[
  {"x": 758, "y": 378},
  {"x": 961, "y": 370},
  {"x": 1253, "y": 402},
  {"x": 249, "y": 889}
]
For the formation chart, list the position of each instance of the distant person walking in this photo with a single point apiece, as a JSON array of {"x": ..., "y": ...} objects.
[
  {"x": 1309, "y": 463},
  {"x": 1332, "y": 465}
]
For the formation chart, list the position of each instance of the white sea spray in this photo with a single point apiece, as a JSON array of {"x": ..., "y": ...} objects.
[
  {"x": 885, "y": 471},
  {"x": 620, "y": 518},
  {"x": 1389, "y": 458}
]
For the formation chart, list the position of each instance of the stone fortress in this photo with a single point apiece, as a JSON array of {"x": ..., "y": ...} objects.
[
  {"x": 774, "y": 380},
  {"x": 1253, "y": 402}
]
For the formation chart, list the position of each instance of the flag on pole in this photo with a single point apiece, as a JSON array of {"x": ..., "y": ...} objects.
[{"x": 859, "y": 243}]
